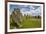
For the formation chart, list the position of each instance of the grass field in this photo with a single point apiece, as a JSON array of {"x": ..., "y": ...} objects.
[{"x": 29, "y": 23}]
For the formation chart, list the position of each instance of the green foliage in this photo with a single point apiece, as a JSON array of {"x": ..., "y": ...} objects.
[
  {"x": 15, "y": 18},
  {"x": 12, "y": 23}
]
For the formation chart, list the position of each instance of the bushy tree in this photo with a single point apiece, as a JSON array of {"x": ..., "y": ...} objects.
[{"x": 17, "y": 16}]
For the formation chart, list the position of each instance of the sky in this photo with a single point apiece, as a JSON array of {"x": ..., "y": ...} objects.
[{"x": 27, "y": 9}]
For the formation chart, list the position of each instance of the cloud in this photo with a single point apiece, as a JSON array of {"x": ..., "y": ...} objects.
[
  {"x": 26, "y": 9},
  {"x": 36, "y": 12}
]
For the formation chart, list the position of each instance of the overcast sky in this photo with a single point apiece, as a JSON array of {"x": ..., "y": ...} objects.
[{"x": 27, "y": 9}]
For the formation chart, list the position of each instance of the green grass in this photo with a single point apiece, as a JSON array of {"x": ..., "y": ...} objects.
[
  {"x": 28, "y": 23},
  {"x": 31, "y": 23}
]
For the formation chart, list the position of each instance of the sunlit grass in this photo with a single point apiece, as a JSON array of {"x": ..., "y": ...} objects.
[
  {"x": 31, "y": 23},
  {"x": 27, "y": 23}
]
